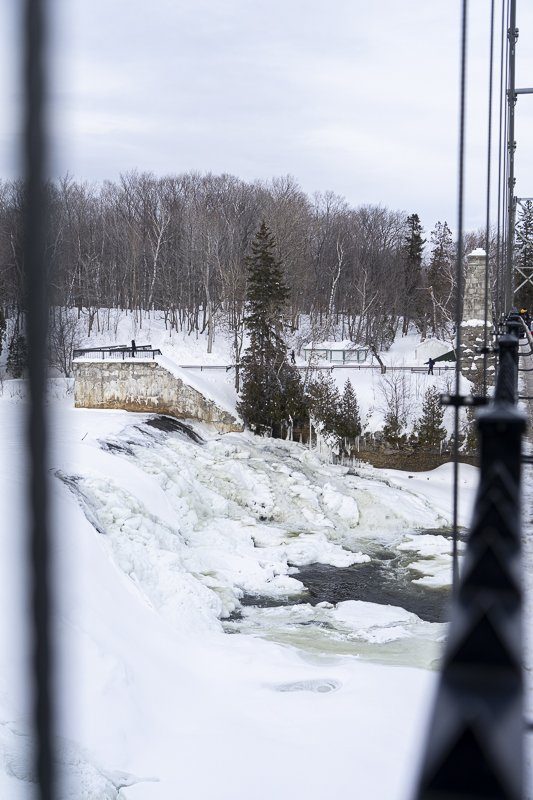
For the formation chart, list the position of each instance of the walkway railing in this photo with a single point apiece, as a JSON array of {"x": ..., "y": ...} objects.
[
  {"x": 437, "y": 370},
  {"x": 139, "y": 351},
  {"x": 476, "y": 738}
]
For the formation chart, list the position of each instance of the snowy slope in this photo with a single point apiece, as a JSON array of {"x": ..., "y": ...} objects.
[
  {"x": 157, "y": 538},
  {"x": 180, "y": 349}
]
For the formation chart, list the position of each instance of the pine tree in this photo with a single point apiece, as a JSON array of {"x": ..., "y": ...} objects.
[
  {"x": 429, "y": 430},
  {"x": 413, "y": 301},
  {"x": 350, "y": 420},
  {"x": 325, "y": 404},
  {"x": 271, "y": 388},
  {"x": 17, "y": 357},
  {"x": 294, "y": 402},
  {"x": 470, "y": 436},
  {"x": 523, "y": 255},
  {"x": 393, "y": 430},
  {"x": 440, "y": 278}
]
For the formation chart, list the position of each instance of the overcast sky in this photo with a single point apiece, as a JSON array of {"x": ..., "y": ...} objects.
[{"x": 357, "y": 97}]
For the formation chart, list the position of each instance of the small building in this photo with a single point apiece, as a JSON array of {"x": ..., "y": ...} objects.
[
  {"x": 435, "y": 349},
  {"x": 346, "y": 352}
]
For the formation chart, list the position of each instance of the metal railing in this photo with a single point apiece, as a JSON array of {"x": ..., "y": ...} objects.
[
  {"x": 141, "y": 351},
  {"x": 329, "y": 367},
  {"x": 476, "y": 738}
]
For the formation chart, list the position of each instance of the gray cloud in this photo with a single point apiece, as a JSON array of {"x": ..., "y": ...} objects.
[{"x": 351, "y": 96}]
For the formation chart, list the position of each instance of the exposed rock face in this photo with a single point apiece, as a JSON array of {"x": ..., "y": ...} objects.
[{"x": 144, "y": 386}]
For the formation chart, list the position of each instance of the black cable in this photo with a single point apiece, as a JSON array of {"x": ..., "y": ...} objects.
[
  {"x": 459, "y": 294},
  {"x": 505, "y": 165},
  {"x": 489, "y": 156},
  {"x": 511, "y": 101},
  {"x": 35, "y": 271},
  {"x": 499, "y": 303}
]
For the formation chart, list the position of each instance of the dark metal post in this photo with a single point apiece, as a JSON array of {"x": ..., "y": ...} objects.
[
  {"x": 507, "y": 376},
  {"x": 476, "y": 739},
  {"x": 35, "y": 269}
]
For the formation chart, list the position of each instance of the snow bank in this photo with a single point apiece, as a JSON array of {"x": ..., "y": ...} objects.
[
  {"x": 157, "y": 539},
  {"x": 180, "y": 349}
]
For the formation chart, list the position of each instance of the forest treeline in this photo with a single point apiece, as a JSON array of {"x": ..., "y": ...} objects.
[{"x": 179, "y": 244}]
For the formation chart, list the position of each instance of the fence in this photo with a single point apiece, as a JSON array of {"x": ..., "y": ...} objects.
[
  {"x": 330, "y": 367},
  {"x": 141, "y": 351},
  {"x": 476, "y": 738}
]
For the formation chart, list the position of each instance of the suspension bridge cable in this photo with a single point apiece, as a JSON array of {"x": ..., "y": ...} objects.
[
  {"x": 35, "y": 273},
  {"x": 500, "y": 162},
  {"x": 489, "y": 158},
  {"x": 459, "y": 293},
  {"x": 505, "y": 161}
]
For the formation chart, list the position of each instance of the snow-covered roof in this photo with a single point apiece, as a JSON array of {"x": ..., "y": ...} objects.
[
  {"x": 431, "y": 348},
  {"x": 344, "y": 345}
]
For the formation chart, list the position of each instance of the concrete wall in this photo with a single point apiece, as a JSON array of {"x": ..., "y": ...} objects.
[{"x": 136, "y": 385}]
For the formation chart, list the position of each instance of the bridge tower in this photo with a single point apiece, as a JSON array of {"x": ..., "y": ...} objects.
[{"x": 474, "y": 330}]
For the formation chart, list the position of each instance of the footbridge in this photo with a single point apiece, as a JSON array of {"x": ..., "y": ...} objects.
[
  {"x": 477, "y": 736},
  {"x": 476, "y": 742}
]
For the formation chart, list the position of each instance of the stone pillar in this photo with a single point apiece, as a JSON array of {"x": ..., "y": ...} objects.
[
  {"x": 473, "y": 325},
  {"x": 474, "y": 292}
]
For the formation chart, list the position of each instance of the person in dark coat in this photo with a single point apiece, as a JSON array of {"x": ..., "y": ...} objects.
[
  {"x": 293, "y": 357},
  {"x": 430, "y": 363},
  {"x": 133, "y": 348}
]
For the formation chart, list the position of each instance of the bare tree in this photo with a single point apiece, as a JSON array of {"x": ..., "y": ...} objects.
[{"x": 64, "y": 336}]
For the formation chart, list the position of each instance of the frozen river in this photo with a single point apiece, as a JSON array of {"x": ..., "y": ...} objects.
[
  {"x": 270, "y": 542},
  {"x": 219, "y": 594},
  {"x": 393, "y": 615}
]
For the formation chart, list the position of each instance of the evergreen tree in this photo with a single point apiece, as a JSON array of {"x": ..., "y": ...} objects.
[
  {"x": 17, "y": 357},
  {"x": 440, "y": 278},
  {"x": 325, "y": 403},
  {"x": 523, "y": 255},
  {"x": 413, "y": 300},
  {"x": 429, "y": 430},
  {"x": 294, "y": 402},
  {"x": 470, "y": 437},
  {"x": 350, "y": 419},
  {"x": 271, "y": 388},
  {"x": 393, "y": 429}
]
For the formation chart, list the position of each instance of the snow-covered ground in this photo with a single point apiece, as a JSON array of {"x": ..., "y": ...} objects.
[
  {"x": 158, "y": 537},
  {"x": 169, "y": 538},
  {"x": 180, "y": 350}
]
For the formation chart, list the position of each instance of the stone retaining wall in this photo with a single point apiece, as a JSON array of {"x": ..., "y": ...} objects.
[{"x": 144, "y": 386}]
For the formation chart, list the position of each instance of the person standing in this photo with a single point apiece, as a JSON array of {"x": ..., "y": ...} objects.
[{"x": 431, "y": 362}]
